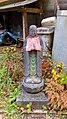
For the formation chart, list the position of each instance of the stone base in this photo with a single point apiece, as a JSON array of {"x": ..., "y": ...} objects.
[
  {"x": 33, "y": 87},
  {"x": 37, "y": 99}
]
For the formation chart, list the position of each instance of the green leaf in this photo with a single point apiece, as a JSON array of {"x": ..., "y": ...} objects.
[
  {"x": 11, "y": 99},
  {"x": 14, "y": 56},
  {"x": 29, "y": 110},
  {"x": 29, "y": 105},
  {"x": 63, "y": 76},
  {"x": 63, "y": 81},
  {"x": 43, "y": 108}
]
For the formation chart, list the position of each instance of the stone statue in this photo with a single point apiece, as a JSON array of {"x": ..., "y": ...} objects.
[{"x": 33, "y": 50}]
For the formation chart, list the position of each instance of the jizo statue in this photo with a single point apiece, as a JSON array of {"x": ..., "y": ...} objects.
[{"x": 33, "y": 49}]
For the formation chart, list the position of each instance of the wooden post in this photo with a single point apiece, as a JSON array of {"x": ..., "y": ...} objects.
[
  {"x": 24, "y": 18},
  {"x": 25, "y": 26},
  {"x": 4, "y": 22}
]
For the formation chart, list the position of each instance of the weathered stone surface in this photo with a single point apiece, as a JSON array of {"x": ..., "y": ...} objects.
[
  {"x": 59, "y": 52},
  {"x": 46, "y": 34},
  {"x": 33, "y": 87},
  {"x": 37, "y": 99},
  {"x": 33, "y": 51},
  {"x": 33, "y": 82}
]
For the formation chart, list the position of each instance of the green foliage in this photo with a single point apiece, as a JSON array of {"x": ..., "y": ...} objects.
[
  {"x": 14, "y": 65},
  {"x": 61, "y": 116},
  {"x": 9, "y": 80},
  {"x": 44, "y": 108},
  {"x": 9, "y": 91},
  {"x": 29, "y": 107},
  {"x": 58, "y": 72},
  {"x": 63, "y": 77},
  {"x": 57, "y": 88},
  {"x": 46, "y": 67}
]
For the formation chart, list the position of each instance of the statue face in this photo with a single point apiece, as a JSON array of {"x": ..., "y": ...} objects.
[{"x": 33, "y": 30}]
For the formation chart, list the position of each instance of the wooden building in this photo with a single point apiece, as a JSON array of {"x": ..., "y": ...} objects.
[{"x": 18, "y": 15}]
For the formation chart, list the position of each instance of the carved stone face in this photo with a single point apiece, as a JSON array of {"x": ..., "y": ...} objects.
[{"x": 32, "y": 30}]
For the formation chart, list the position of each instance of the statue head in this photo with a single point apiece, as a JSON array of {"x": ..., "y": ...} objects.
[{"x": 32, "y": 30}]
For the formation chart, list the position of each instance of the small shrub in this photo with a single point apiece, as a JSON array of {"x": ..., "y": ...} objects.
[
  {"x": 57, "y": 88},
  {"x": 15, "y": 67},
  {"x": 11, "y": 70},
  {"x": 46, "y": 67}
]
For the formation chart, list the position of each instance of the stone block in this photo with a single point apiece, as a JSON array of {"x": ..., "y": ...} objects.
[{"x": 37, "y": 99}]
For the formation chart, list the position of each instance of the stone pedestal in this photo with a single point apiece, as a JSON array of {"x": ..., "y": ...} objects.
[
  {"x": 32, "y": 87},
  {"x": 37, "y": 99}
]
